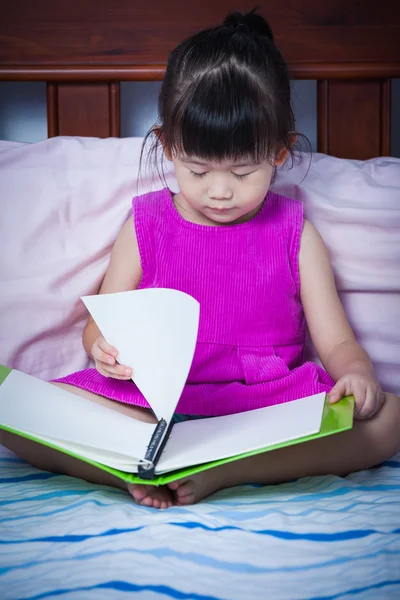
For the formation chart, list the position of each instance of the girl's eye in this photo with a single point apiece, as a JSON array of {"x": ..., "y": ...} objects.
[
  {"x": 240, "y": 177},
  {"x": 199, "y": 175}
]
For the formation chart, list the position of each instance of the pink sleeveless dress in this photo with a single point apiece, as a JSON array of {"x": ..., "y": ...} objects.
[{"x": 252, "y": 333}]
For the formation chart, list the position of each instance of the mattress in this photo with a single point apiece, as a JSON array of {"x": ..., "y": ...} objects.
[{"x": 316, "y": 538}]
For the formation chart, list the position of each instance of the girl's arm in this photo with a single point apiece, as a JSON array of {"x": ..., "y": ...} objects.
[
  {"x": 344, "y": 359},
  {"x": 124, "y": 273}
]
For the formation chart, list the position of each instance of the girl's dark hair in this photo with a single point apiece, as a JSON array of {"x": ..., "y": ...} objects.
[{"x": 226, "y": 94}]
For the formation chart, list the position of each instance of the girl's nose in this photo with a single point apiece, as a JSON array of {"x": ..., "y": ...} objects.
[{"x": 220, "y": 191}]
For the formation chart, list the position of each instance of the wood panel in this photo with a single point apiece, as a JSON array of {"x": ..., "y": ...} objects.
[
  {"x": 96, "y": 73},
  {"x": 101, "y": 32},
  {"x": 83, "y": 48},
  {"x": 79, "y": 109},
  {"x": 354, "y": 118},
  {"x": 52, "y": 110},
  {"x": 114, "y": 109}
]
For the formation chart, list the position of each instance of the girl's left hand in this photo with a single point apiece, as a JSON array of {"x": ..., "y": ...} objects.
[{"x": 367, "y": 393}]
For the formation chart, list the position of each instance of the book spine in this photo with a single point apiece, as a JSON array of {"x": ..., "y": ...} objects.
[{"x": 146, "y": 469}]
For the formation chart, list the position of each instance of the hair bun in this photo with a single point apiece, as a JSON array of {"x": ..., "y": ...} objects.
[{"x": 251, "y": 21}]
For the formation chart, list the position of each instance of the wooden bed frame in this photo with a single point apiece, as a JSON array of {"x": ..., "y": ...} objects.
[{"x": 82, "y": 49}]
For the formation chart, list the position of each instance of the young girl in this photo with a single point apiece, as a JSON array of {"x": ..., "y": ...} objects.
[{"x": 260, "y": 272}]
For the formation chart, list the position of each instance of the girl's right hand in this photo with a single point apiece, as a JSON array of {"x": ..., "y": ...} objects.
[{"x": 104, "y": 357}]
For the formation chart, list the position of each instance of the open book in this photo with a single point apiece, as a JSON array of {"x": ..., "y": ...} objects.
[{"x": 155, "y": 332}]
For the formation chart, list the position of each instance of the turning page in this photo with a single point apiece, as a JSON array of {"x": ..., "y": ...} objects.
[{"x": 155, "y": 333}]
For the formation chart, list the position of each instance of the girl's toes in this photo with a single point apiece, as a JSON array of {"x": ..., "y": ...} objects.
[
  {"x": 139, "y": 492},
  {"x": 185, "y": 493},
  {"x": 185, "y": 500},
  {"x": 185, "y": 489},
  {"x": 174, "y": 485},
  {"x": 148, "y": 501}
]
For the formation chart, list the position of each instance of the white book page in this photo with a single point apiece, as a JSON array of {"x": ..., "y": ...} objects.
[
  {"x": 155, "y": 333},
  {"x": 110, "y": 459},
  {"x": 201, "y": 441},
  {"x": 45, "y": 410}
]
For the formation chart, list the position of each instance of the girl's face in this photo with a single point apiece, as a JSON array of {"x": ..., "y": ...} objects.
[{"x": 221, "y": 193}]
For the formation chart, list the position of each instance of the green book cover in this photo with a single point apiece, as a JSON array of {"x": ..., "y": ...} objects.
[{"x": 336, "y": 418}]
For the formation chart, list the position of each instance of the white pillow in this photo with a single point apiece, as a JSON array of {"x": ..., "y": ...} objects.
[
  {"x": 355, "y": 205},
  {"x": 65, "y": 199}
]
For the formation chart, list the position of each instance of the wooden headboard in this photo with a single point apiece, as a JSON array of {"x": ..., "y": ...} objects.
[{"x": 82, "y": 49}]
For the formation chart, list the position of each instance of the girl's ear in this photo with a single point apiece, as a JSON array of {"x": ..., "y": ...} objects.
[
  {"x": 159, "y": 133},
  {"x": 281, "y": 157},
  {"x": 283, "y": 153}
]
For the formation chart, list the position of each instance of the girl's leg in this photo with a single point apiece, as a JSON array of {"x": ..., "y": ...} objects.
[
  {"x": 369, "y": 443},
  {"x": 48, "y": 459}
]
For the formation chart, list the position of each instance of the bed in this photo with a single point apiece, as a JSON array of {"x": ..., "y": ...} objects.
[{"x": 317, "y": 538}]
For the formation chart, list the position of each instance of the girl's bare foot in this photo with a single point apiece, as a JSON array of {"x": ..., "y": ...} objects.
[
  {"x": 150, "y": 495},
  {"x": 195, "y": 488}
]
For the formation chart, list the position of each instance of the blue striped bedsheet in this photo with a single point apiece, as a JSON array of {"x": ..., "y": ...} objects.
[{"x": 320, "y": 538}]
